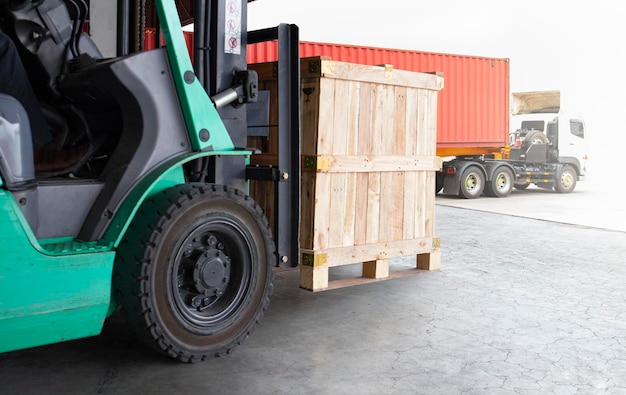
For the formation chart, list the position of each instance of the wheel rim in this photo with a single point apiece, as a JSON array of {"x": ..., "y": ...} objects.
[
  {"x": 472, "y": 183},
  {"x": 211, "y": 273},
  {"x": 503, "y": 182},
  {"x": 567, "y": 179}
]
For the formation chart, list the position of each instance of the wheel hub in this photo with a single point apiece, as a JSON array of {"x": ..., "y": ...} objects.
[
  {"x": 211, "y": 271},
  {"x": 566, "y": 180},
  {"x": 471, "y": 183},
  {"x": 502, "y": 182},
  {"x": 211, "y": 275}
]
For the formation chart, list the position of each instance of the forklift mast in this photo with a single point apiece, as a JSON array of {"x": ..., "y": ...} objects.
[{"x": 221, "y": 37}]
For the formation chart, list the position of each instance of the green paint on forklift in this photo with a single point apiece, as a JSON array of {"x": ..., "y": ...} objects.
[
  {"x": 50, "y": 292},
  {"x": 205, "y": 126}
]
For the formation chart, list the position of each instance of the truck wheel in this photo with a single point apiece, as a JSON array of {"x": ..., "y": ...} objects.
[
  {"x": 566, "y": 181},
  {"x": 501, "y": 184},
  {"x": 472, "y": 183},
  {"x": 193, "y": 273}
]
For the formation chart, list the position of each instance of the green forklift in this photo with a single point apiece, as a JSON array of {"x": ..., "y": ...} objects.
[{"x": 155, "y": 223}]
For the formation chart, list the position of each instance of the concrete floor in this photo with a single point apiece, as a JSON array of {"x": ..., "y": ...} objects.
[{"x": 538, "y": 313}]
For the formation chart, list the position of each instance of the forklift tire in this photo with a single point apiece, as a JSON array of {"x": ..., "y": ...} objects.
[
  {"x": 566, "y": 181},
  {"x": 501, "y": 185},
  {"x": 193, "y": 274},
  {"x": 472, "y": 183}
]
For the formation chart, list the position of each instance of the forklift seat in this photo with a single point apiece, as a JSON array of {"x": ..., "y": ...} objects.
[{"x": 16, "y": 147}]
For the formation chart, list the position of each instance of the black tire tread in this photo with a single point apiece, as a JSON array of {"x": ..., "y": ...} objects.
[
  {"x": 130, "y": 271},
  {"x": 491, "y": 191}
]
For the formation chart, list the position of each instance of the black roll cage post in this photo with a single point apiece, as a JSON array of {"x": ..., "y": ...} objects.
[{"x": 286, "y": 175}]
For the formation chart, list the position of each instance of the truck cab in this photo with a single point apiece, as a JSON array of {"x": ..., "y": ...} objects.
[{"x": 537, "y": 118}]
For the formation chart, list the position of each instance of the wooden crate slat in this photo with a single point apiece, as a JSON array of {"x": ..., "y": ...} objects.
[
  {"x": 429, "y": 204},
  {"x": 360, "y": 209},
  {"x": 341, "y": 116},
  {"x": 382, "y": 121},
  {"x": 372, "y": 222},
  {"x": 422, "y": 123},
  {"x": 326, "y": 122},
  {"x": 310, "y": 107},
  {"x": 420, "y": 210},
  {"x": 388, "y": 118},
  {"x": 321, "y": 216},
  {"x": 307, "y": 208},
  {"x": 349, "y": 218},
  {"x": 431, "y": 128},
  {"x": 340, "y": 256},
  {"x": 366, "y": 106},
  {"x": 411, "y": 123},
  {"x": 381, "y": 75},
  {"x": 371, "y": 163},
  {"x": 400, "y": 117},
  {"x": 354, "y": 117},
  {"x": 410, "y": 205},
  {"x": 338, "y": 204},
  {"x": 391, "y": 206}
]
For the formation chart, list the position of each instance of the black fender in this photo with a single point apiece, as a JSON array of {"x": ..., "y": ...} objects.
[
  {"x": 452, "y": 171},
  {"x": 569, "y": 160},
  {"x": 492, "y": 166}
]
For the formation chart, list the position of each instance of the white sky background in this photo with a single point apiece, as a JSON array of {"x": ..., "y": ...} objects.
[{"x": 577, "y": 47}]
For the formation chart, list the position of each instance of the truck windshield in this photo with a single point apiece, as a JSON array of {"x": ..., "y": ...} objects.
[{"x": 537, "y": 125}]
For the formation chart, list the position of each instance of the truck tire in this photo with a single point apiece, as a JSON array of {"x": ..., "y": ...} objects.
[
  {"x": 501, "y": 185},
  {"x": 472, "y": 183},
  {"x": 193, "y": 274},
  {"x": 566, "y": 179}
]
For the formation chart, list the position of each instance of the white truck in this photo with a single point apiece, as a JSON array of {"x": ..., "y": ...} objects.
[
  {"x": 547, "y": 144},
  {"x": 547, "y": 148}
]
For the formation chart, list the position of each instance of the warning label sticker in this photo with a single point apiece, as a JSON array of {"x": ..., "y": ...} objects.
[{"x": 232, "y": 31}]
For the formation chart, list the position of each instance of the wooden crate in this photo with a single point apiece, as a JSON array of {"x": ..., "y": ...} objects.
[{"x": 368, "y": 167}]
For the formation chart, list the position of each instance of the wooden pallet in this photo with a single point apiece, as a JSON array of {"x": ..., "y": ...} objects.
[{"x": 315, "y": 265}]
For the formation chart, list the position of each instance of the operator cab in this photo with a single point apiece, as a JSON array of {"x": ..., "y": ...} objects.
[
  {"x": 56, "y": 53},
  {"x": 126, "y": 109}
]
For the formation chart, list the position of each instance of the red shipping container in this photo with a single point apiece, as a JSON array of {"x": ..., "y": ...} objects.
[
  {"x": 473, "y": 108},
  {"x": 150, "y": 41}
]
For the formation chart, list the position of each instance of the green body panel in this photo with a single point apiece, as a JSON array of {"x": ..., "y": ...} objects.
[
  {"x": 198, "y": 109},
  {"x": 48, "y": 297},
  {"x": 155, "y": 182}
]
